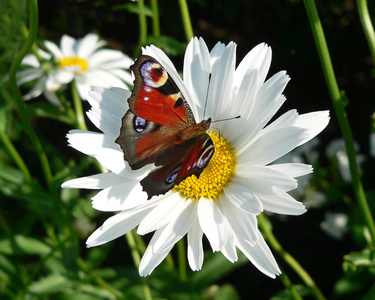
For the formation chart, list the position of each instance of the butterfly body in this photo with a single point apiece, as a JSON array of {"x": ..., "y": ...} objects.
[{"x": 159, "y": 128}]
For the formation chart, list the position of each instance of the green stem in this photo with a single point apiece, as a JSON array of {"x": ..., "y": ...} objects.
[
  {"x": 77, "y": 103},
  {"x": 367, "y": 25},
  {"x": 181, "y": 252},
  {"x": 290, "y": 286},
  {"x": 142, "y": 24},
  {"x": 337, "y": 100},
  {"x": 266, "y": 229},
  {"x": 15, "y": 155},
  {"x": 186, "y": 20},
  {"x": 137, "y": 260},
  {"x": 155, "y": 18},
  {"x": 33, "y": 15}
]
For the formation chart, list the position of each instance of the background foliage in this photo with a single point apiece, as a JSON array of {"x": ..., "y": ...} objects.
[{"x": 43, "y": 230}]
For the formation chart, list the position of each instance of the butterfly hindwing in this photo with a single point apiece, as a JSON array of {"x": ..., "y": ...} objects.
[
  {"x": 163, "y": 179},
  {"x": 160, "y": 128}
]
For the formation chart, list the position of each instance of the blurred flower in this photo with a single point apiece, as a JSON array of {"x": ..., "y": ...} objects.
[
  {"x": 335, "y": 224},
  {"x": 336, "y": 150},
  {"x": 224, "y": 201},
  {"x": 82, "y": 60},
  {"x": 372, "y": 144}
]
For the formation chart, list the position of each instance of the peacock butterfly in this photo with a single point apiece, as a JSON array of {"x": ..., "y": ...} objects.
[{"x": 160, "y": 128}]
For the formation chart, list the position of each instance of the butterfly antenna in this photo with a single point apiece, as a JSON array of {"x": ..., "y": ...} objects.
[
  {"x": 227, "y": 119},
  {"x": 205, "y": 103},
  {"x": 224, "y": 163}
]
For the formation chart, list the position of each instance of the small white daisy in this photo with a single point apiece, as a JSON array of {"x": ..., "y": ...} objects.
[
  {"x": 223, "y": 203},
  {"x": 83, "y": 60}
]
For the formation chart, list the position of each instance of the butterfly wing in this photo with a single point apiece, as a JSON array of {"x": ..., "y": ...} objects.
[
  {"x": 163, "y": 179},
  {"x": 160, "y": 128}
]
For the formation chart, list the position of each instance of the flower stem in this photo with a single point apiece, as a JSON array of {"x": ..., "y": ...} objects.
[
  {"x": 367, "y": 25},
  {"x": 266, "y": 228},
  {"x": 186, "y": 20},
  {"x": 289, "y": 285},
  {"x": 338, "y": 104},
  {"x": 77, "y": 102},
  {"x": 155, "y": 17},
  {"x": 137, "y": 260},
  {"x": 15, "y": 155},
  {"x": 182, "y": 259},
  {"x": 33, "y": 16},
  {"x": 142, "y": 24}
]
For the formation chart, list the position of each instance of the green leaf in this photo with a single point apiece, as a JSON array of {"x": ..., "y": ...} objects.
[
  {"x": 133, "y": 8},
  {"x": 19, "y": 244},
  {"x": 355, "y": 260},
  {"x": 50, "y": 284},
  {"x": 10, "y": 174},
  {"x": 49, "y": 111}
]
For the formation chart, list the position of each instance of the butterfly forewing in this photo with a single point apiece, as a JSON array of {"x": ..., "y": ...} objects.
[{"x": 160, "y": 128}]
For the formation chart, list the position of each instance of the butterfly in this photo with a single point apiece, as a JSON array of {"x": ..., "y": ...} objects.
[{"x": 159, "y": 128}]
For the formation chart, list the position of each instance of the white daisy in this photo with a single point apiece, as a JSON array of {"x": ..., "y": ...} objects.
[
  {"x": 224, "y": 202},
  {"x": 83, "y": 60}
]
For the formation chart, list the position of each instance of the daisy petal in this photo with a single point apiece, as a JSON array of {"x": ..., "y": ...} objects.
[
  {"x": 115, "y": 227},
  {"x": 66, "y": 45},
  {"x": 212, "y": 223},
  {"x": 177, "y": 227},
  {"x": 292, "y": 169},
  {"x": 98, "y": 181},
  {"x": 150, "y": 259},
  {"x": 122, "y": 196},
  {"x": 260, "y": 256},
  {"x": 195, "y": 247},
  {"x": 242, "y": 197},
  {"x": 161, "y": 214},
  {"x": 280, "y": 202},
  {"x": 243, "y": 224}
]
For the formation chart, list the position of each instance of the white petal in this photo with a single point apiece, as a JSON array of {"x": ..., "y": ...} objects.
[
  {"x": 125, "y": 195},
  {"x": 36, "y": 90},
  {"x": 62, "y": 76},
  {"x": 265, "y": 175},
  {"x": 112, "y": 100},
  {"x": 195, "y": 247},
  {"x": 292, "y": 169},
  {"x": 197, "y": 69},
  {"x": 242, "y": 197},
  {"x": 106, "y": 151},
  {"x": 87, "y": 45},
  {"x": 244, "y": 225},
  {"x": 30, "y": 60},
  {"x": 314, "y": 122},
  {"x": 229, "y": 250},
  {"x": 258, "y": 58},
  {"x": 220, "y": 89},
  {"x": 54, "y": 49},
  {"x": 97, "y": 181},
  {"x": 123, "y": 75},
  {"x": 150, "y": 259},
  {"x": 279, "y": 202},
  {"x": 115, "y": 227},
  {"x": 161, "y": 214},
  {"x": 109, "y": 58},
  {"x": 108, "y": 123},
  {"x": 177, "y": 227},
  {"x": 66, "y": 45},
  {"x": 51, "y": 97},
  {"x": 82, "y": 86},
  {"x": 212, "y": 223},
  {"x": 260, "y": 256},
  {"x": 271, "y": 146},
  {"x": 28, "y": 75}
]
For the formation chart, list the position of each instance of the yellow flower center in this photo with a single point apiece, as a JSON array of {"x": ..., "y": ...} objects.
[
  {"x": 215, "y": 175},
  {"x": 76, "y": 63}
]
